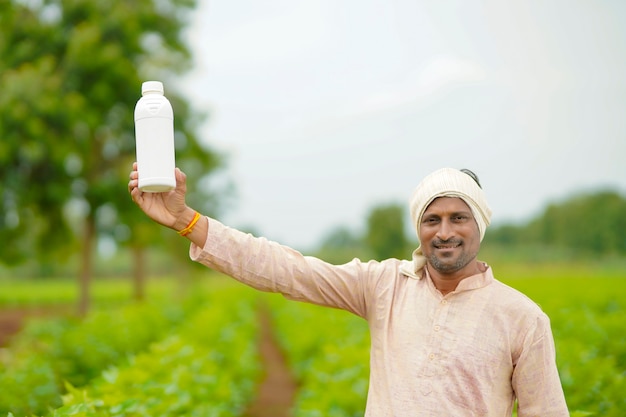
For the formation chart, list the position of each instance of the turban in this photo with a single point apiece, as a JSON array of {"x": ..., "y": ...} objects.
[{"x": 445, "y": 182}]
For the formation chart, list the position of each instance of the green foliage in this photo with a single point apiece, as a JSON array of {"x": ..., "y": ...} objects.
[
  {"x": 208, "y": 368},
  {"x": 386, "y": 232},
  {"x": 588, "y": 223},
  {"x": 52, "y": 293},
  {"x": 384, "y": 237},
  {"x": 197, "y": 358},
  {"x": 29, "y": 386},
  {"x": 49, "y": 352},
  {"x": 341, "y": 246},
  {"x": 71, "y": 75}
]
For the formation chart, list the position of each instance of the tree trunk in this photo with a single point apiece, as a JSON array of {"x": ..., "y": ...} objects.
[
  {"x": 86, "y": 268},
  {"x": 139, "y": 273}
]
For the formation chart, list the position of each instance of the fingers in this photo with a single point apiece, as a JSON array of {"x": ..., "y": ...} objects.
[
  {"x": 133, "y": 184},
  {"x": 133, "y": 190},
  {"x": 181, "y": 177}
]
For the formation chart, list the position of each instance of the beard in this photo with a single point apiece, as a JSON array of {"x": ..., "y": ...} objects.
[{"x": 449, "y": 265}]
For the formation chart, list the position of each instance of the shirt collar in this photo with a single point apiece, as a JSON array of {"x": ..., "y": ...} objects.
[
  {"x": 470, "y": 283},
  {"x": 476, "y": 281}
]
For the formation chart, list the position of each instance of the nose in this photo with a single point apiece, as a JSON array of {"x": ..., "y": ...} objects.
[{"x": 446, "y": 231}]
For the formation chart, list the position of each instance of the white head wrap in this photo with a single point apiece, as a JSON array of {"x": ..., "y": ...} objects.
[{"x": 445, "y": 182}]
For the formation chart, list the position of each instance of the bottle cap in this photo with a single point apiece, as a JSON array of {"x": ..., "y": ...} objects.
[{"x": 152, "y": 87}]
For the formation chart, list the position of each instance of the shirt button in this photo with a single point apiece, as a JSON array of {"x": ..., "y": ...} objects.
[
  {"x": 431, "y": 356},
  {"x": 444, "y": 301},
  {"x": 437, "y": 328}
]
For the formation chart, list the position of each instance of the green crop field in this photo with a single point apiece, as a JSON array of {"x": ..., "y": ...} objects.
[{"x": 197, "y": 355}]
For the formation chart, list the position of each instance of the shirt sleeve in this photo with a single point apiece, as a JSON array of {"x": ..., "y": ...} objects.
[
  {"x": 535, "y": 379},
  {"x": 271, "y": 267}
]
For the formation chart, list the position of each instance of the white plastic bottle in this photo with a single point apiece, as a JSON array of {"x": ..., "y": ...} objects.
[{"x": 154, "y": 139}]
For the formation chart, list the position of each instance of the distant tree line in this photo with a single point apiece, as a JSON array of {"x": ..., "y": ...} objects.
[
  {"x": 592, "y": 223},
  {"x": 587, "y": 223}
]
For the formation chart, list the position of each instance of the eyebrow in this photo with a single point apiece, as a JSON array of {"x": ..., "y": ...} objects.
[{"x": 454, "y": 213}]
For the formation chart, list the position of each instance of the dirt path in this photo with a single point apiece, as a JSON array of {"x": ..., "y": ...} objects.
[
  {"x": 13, "y": 319},
  {"x": 278, "y": 387},
  {"x": 10, "y": 323}
]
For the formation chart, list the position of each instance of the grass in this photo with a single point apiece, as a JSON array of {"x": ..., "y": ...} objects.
[{"x": 17, "y": 293}]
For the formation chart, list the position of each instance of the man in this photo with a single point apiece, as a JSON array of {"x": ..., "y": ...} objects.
[{"x": 447, "y": 339}]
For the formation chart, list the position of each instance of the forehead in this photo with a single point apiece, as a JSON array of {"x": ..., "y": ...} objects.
[{"x": 442, "y": 205}]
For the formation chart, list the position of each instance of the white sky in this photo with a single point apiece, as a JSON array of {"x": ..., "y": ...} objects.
[{"x": 330, "y": 107}]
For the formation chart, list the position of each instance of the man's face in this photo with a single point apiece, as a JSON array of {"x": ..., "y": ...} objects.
[{"x": 450, "y": 237}]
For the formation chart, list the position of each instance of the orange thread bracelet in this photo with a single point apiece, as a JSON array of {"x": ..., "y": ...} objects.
[{"x": 190, "y": 226}]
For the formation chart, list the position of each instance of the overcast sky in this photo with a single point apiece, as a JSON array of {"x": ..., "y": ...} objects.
[{"x": 327, "y": 108}]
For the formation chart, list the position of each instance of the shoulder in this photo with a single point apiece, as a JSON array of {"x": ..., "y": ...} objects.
[
  {"x": 384, "y": 278},
  {"x": 515, "y": 298},
  {"x": 517, "y": 306},
  {"x": 519, "y": 316}
]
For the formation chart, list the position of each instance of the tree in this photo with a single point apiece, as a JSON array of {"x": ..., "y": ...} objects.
[
  {"x": 585, "y": 222},
  {"x": 342, "y": 245},
  {"x": 590, "y": 222},
  {"x": 71, "y": 75},
  {"x": 385, "y": 234}
]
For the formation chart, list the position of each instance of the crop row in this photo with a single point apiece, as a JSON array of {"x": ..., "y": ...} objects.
[
  {"x": 197, "y": 358},
  {"x": 50, "y": 352}
]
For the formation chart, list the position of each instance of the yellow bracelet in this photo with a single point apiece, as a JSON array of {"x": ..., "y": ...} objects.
[{"x": 190, "y": 226}]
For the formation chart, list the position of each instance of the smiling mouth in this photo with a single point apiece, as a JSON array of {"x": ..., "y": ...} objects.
[{"x": 447, "y": 245}]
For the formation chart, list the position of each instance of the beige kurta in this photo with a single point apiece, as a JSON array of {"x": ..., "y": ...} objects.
[{"x": 469, "y": 353}]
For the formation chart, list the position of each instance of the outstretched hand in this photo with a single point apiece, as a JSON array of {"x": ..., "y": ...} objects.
[{"x": 165, "y": 208}]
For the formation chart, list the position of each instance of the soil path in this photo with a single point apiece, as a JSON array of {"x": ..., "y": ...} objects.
[
  {"x": 10, "y": 323},
  {"x": 277, "y": 390},
  {"x": 13, "y": 319}
]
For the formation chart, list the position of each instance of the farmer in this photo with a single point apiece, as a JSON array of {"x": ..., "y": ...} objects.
[{"x": 447, "y": 338}]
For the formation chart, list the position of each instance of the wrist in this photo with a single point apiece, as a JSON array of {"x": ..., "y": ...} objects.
[
  {"x": 184, "y": 220},
  {"x": 192, "y": 224}
]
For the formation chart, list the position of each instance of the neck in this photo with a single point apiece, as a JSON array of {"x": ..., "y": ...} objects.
[{"x": 447, "y": 282}]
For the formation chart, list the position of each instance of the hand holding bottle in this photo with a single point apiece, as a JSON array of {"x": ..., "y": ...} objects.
[{"x": 166, "y": 208}]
